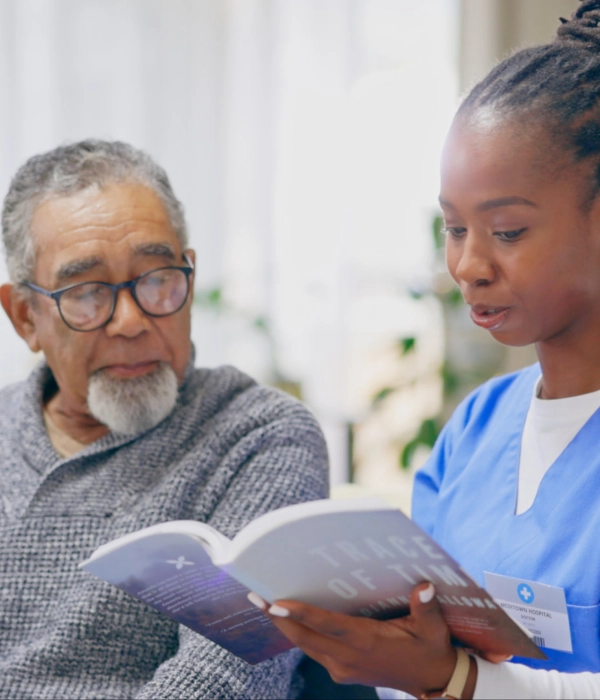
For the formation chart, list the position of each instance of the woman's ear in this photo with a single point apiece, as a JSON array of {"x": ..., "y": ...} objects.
[
  {"x": 18, "y": 309},
  {"x": 595, "y": 213}
]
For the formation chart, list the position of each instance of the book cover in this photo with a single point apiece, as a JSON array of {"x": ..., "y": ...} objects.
[{"x": 174, "y": 574}]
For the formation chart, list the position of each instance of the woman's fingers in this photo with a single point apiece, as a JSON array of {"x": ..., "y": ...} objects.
[
  {"x": 324, "y": 622},
  {"x": 494, "y": 657},
  {"x": 412, "y": 653},
  {"x": 425, "y": 621},
  {"x": 330, "y": 643},
  {"x": 426, "y": 618},
  {"x": 255, "y": 599}
]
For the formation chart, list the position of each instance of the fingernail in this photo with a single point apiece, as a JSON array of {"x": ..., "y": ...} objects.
[
  {"x": 278, "y": 611},
  {"x": 426, "y": 595},
  {"x": 255, "y": 599}
]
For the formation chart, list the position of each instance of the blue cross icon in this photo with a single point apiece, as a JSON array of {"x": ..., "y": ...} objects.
[{"x": 525, "y": 593}]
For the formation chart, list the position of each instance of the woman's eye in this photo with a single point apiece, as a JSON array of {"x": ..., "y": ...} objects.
[
  {"x": 509, "y": 235},
  {"x": 454, "y": 231}
]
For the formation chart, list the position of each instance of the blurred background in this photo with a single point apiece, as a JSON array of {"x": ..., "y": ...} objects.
[{"x": 303, "y": 137}]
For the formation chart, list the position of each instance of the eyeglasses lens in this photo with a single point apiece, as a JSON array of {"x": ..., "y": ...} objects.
[
  {"x": 86, "y": 306},
  {"x": 89, "y": 305},
  {"x": 162, "y": 292}
]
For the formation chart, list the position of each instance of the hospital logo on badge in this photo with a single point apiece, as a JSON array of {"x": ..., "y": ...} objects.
[{"x": 525, "y": 593}]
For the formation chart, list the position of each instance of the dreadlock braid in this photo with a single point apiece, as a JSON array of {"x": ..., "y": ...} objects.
[
  {"x": 583, "y": 26},
  {"x": 556, "y": 85}
]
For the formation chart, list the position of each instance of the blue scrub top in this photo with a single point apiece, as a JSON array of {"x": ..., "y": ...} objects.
[{"x": 465, "y": 496}]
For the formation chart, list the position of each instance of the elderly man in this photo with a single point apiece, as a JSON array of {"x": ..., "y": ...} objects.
[{"x": 116, "y": 430}]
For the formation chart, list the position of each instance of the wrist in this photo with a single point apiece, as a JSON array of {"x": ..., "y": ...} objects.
[{"x": 462, "y": 682}]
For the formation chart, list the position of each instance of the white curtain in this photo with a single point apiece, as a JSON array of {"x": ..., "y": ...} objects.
[{"x": 302, "y": 137}]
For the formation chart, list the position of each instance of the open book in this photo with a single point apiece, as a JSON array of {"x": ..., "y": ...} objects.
[{"x": 357, "y": 556}]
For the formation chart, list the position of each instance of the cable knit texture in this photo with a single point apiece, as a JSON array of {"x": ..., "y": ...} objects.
[{"x": 229, "y": 451}]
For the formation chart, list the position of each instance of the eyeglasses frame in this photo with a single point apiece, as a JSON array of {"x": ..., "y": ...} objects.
[{"x": 114, "y": 288}]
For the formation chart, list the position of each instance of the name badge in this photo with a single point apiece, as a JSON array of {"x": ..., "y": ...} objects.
[{"x": 541, "y": 609}]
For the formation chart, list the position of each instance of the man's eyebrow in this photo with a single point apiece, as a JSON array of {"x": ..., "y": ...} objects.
[
  {"x": 163, "y": 250},
  {"x": 77, "y": 267},
  {"x": 495, "y": 203}
]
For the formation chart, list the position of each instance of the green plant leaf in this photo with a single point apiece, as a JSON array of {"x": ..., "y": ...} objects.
[
  {"x": 450, "y": 379},
  {"x": 407, "y": 453},
  {"x": 454, "y": 297},
  {"x": 382, "y": 394},
  {"x": 406, "y": 345},
  {"x": 426, "y": 435},
  {"x": 437, "y": 226},
  {"x": 214, "y": 296},
  {"x": 261, "y": 323},
  {"x": 428, "y": 432}
]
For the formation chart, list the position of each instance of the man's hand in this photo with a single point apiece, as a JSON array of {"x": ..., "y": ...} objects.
[{"x": 412, "y": 653}]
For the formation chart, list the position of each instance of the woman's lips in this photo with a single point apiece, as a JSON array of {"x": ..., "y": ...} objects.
[{"x": 489, "y": 317}]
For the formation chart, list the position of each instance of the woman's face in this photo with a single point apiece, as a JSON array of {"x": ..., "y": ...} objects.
[{"x": 521, "y": 245}]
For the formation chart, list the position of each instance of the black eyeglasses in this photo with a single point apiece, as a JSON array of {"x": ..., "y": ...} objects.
[{"x": 91, "y": 305}]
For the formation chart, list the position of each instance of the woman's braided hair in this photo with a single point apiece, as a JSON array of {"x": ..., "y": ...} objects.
[{"x": 556, "y": 85}]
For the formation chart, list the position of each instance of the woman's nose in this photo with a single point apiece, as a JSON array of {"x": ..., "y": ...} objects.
[{"x": 470, "y": 260}]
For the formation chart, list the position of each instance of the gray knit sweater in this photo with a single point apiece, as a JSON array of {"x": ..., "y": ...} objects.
[{"x": 230, "y": 451}]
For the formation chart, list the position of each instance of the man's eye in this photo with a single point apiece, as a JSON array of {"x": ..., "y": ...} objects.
[
  {"x": 157, "y": 279},
  {"x": 87, "y": 293},
  {"x": 509, "y": 235}
]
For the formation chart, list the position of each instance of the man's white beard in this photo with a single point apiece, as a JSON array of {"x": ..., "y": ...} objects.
[{"x": 130, "y": 406}]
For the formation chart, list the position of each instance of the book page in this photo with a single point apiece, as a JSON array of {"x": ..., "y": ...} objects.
[
  {"x": 174, "y": 574},
  {"x": 214, "y": 542},
  {"x": 276, "y": 518}
]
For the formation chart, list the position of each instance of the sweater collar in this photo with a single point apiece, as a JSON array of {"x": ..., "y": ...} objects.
[{"x": 33, "y": 438}]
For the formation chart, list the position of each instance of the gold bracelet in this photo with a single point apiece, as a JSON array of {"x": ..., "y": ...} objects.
[{"x": 457, "y": 682}]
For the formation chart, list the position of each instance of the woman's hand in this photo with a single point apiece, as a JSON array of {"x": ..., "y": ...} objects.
[{"x": 411, "y": 653}]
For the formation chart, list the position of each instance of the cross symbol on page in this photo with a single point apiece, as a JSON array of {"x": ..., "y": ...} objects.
[{"x": 180, "y": 562}]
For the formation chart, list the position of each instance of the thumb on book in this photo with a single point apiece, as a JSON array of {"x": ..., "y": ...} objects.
[{"x": 427, "y": 613}]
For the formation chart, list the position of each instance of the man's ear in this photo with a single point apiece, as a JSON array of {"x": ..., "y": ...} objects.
[
  {"x": 18, "y": 309},
  {"x": 191, "y": 254}
]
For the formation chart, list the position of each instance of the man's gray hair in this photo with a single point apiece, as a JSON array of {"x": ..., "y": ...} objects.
[{"x": 69, "y": 169}]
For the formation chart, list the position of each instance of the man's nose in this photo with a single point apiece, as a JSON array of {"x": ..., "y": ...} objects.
[
  {"x": 128, "y": 319},
  {"x": 474, "y": 263}
]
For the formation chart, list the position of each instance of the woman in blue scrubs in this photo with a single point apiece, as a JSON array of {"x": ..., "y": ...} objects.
[{"x": 511, "y": 489}]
